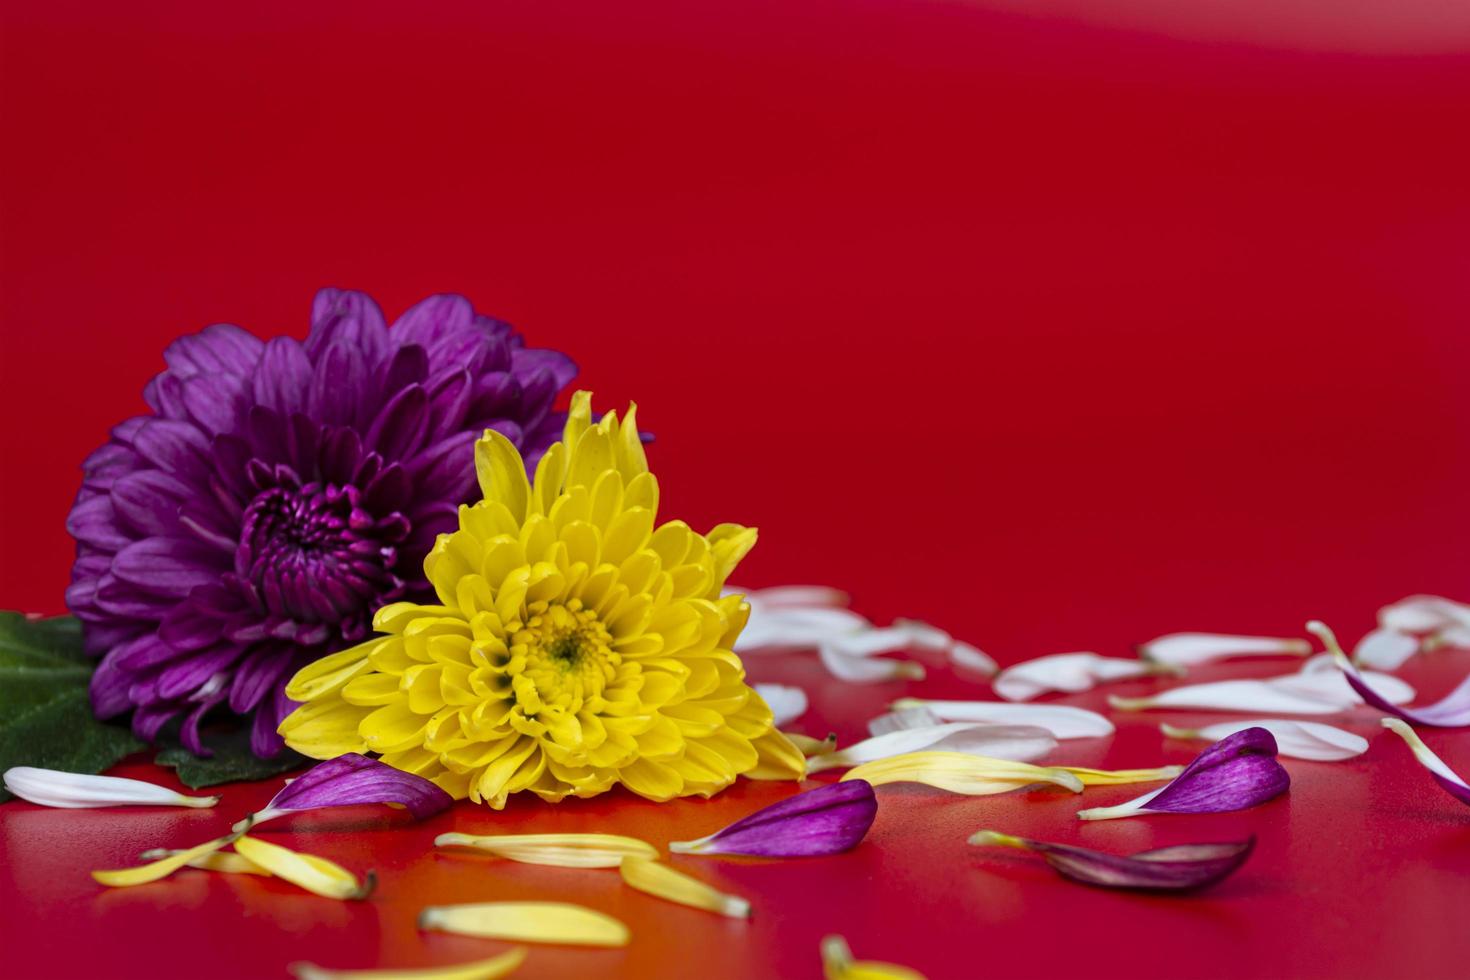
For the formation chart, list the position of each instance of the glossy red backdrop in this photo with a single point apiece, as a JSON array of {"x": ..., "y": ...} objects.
[{"x": 1062, "y": 327}]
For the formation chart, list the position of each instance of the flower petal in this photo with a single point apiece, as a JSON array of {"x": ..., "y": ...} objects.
[
  {"x": 1235, "y": 773},
  {"x": 1070, "y": 673},
  {"x": 895, "y": 721},
  {"x": 495, "y": 967},
  {"x": 838, "y": 964},
  {"x": 967, "y": 657},
  {"x": 811, "y": 746},
  {"x": 787, "y": 703},
  {"x": 827, "y": 820},
  {"x": 316, "y": 874},
  {"x": 1183, "y": 867},
  {"x": 1423, "y": 614},
  {"x": 648, "y": 875},
  {"x": 1296, "y": 739},
  {"x": 559, "y": 850},
  {"x": 1385, "y": 649},
  {"x": 50, "y": 787},
  {"x": 1451, "y": 711},
  {"x": 225, "y": 862},
  {"x": 1188, "y": 649},
  {"x": 1063, "y": 721},
  {"x": 531, "y": 922},
  {"x": 1018, "y": 743},
  {"x": 1121, "y": 777},
  {"x": 867, "y": 668},
  {"x": 971, "y": 775},
  {"x": 353, "y": 779},
  {"x": 1447, "y": 778},
  {"x": 162, "y": 868}
]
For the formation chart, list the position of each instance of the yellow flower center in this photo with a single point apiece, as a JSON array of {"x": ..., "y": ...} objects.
[{"x": 561, "y": 657}]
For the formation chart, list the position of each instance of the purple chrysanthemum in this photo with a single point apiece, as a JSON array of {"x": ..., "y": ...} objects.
[{"x": 280, "y": 492}]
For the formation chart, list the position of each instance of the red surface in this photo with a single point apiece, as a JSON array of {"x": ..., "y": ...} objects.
[{"x": 1062, "y": 329}]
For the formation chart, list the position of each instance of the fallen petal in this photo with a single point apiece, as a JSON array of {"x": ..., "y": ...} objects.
[
  {"x": 786, "y": 703},
  {"x": 316, "y": 874},
  {"x": 867, "y": 669},
  {"x": 1188, "y": 649},
  {"x": 803, "y": 627},
  {"x": 1296, "y": 739},
  {"x": 352, "y": 779},
  {"x": 1385, "y": 649},
  {"x": 895, "y": 721},
  {"x": 1070, "y": 673},
  {"x": 811, "y": 746},
  {"x": 50, "y": 787},
  {"x": 787, "y": 596},
  {"x": 648, "y": 875},
  {"x": 838, "y": 964},
  {"x": 531, "y": 922},
  {"x": 1018, "y": 743},
  {"x": 1237, "y": 772},
  {"x": 827, "y": 820},
  {"x": 1063, "y": 721},
  {"x": 1447, "y": 778},
  {"x": 1183, "y": 867},
  {"x": 971, "y": 658},
  {"x": 1120, "y": 777},
  {"x": 558, "y": 850},
  {"x": 971, "y": 775},
  {"x": 1423, "y": 614},
  {"x": 162, "y": 868},
  {"x": 1312, "y": 690},
  {"x": 226, "y": 862},
  {"x": 495, "y": 967},
  {"x": 1451, "y": 711}
]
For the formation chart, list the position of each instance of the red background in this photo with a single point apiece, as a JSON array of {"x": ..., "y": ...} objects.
[{"x": 1063, "y": 327}]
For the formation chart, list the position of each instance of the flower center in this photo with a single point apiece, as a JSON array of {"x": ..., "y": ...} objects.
[
  {"x": 314, "y": 555},
  {"x": 565, "y": 657}
]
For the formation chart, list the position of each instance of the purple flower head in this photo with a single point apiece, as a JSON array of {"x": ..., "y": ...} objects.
[{"x": 278, "y": 493}]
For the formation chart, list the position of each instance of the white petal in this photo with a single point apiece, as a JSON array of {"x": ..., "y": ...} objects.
[
  {"x": 867, "y": 669},
  {"x": 1018, "y": 743},
  {"x": 804, "y": 627},
  {"x": 1314, "y": 690},
  {"x": 1186, "y": 649},
  {"x": 1069, "y": 673},
  {"x": 786, "y": 596},
  {"x": 1385, "y": 649},
  {"x": 786, "y": 703},
  {"x": 1296, "y": 739},
  {"x": 1455, "y": 637},
  {"x": 896, "y": 721},
  {"x": 924, "y": 636},
  {"x": 871, "y": 642},
  {"x": 966, "y": 657},
  {"x": 1423, "y": 614},
  {"x": 1136, "y": 805},
  {"x": 1063, "y": 721},
  {"x": 1422, "y": 752},
  {"x": 48, "y": 787}
]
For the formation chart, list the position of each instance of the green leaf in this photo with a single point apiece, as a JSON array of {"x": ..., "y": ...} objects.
[
  {"x": 232, "y": 761},
  {"x": 46, "y": 715}
]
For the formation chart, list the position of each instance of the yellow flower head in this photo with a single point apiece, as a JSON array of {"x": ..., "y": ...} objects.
[{"x": 576, "y": 644}]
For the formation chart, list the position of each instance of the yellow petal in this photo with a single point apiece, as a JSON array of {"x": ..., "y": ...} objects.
[
  {"x": 958, "y": 772},
  {"x": 502, "y": 473},
  {"x": 560, "y": 850},
  {"x": 838, "y": 964},
  {"x": 534, "y": 922},
  {"x": 1118, "y": 777},
  {"x": 317, "y": 875},
  {"x": 161, "y": 868},
  {"x": 778, "y": 758},
  {"x": 222, "y": 861},
  {"x": 809, "y": 746},
  {"x": 663, "y": 881},
  {"x": 496, "y": 966}
]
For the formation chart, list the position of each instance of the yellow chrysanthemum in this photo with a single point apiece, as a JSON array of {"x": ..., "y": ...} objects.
[{"x": 576, "y": 646}]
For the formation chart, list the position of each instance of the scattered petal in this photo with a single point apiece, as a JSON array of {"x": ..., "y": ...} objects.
[
  {"x": 225, "y": 862},
  {"x": 559, "y": 850},
  {"x": 811, "y": 746},
  {"x": 1121, "y": 777},
  {"x": 867, "y": 668},
  {"x": 162, "y": 868},
  {"x": 902, "y": 719},
  {"x": 1424, "y": 614},
  {"x": 967, "y": 657},
  {"x": 49, "y": 787},
  {"x": 316, "y": 874},
  {"x": 786, "y": 703},
  {"x": 828, "y": 820},
  {"x": 1183, "y": 867},
  {"x": 971, "y": 775},
  {"x": 351, "y": 779},
  {"x": 791, "y": 596},
  {"x": 1451, "y": 711},
  {"x": 1447, "y": 778},
  {"x": 531, "y": 922},
  {"x": 1063, "y": 721},
  {"x": 1313, "y": 690},
  {"x": 648, "y": 875},
  {"x": 838, "y": 964},
  {"x": 1384, "y": 649},
  {"x": 495, "y": 967},
  {"x": 1018, "y": 743},
  {"x": 1295, "y": 739},
  {"x": 1188, "y": 649},
  {"x": 1071, "y": 673},
  {"x": 1236, "y": 773}
]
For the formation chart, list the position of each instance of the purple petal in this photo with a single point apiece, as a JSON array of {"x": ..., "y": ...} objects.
[
  {"x": 265, "y": 741},
  {"x": 1183, "y": 867},
  {"x": 148, "y": 502},
  {"x": 256, "y": 676},
  {"x": 109, "y": 689},
  {"x": 828, "y": 820},
  {"x": 219, "y": 349},
  {"x": 165, "y": 566},
  {"x": 431, "y": 319},
  {"x": 400, "y": 427},
  {"x": 283, "y": 377},
  {"x": 525, "y": 362},
  {"x": 352, "y": 779},
  {"x": 1238, "y": 772},
  {"x": 1451, "y": 711},
  {"x": 346, "y": 318}
]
